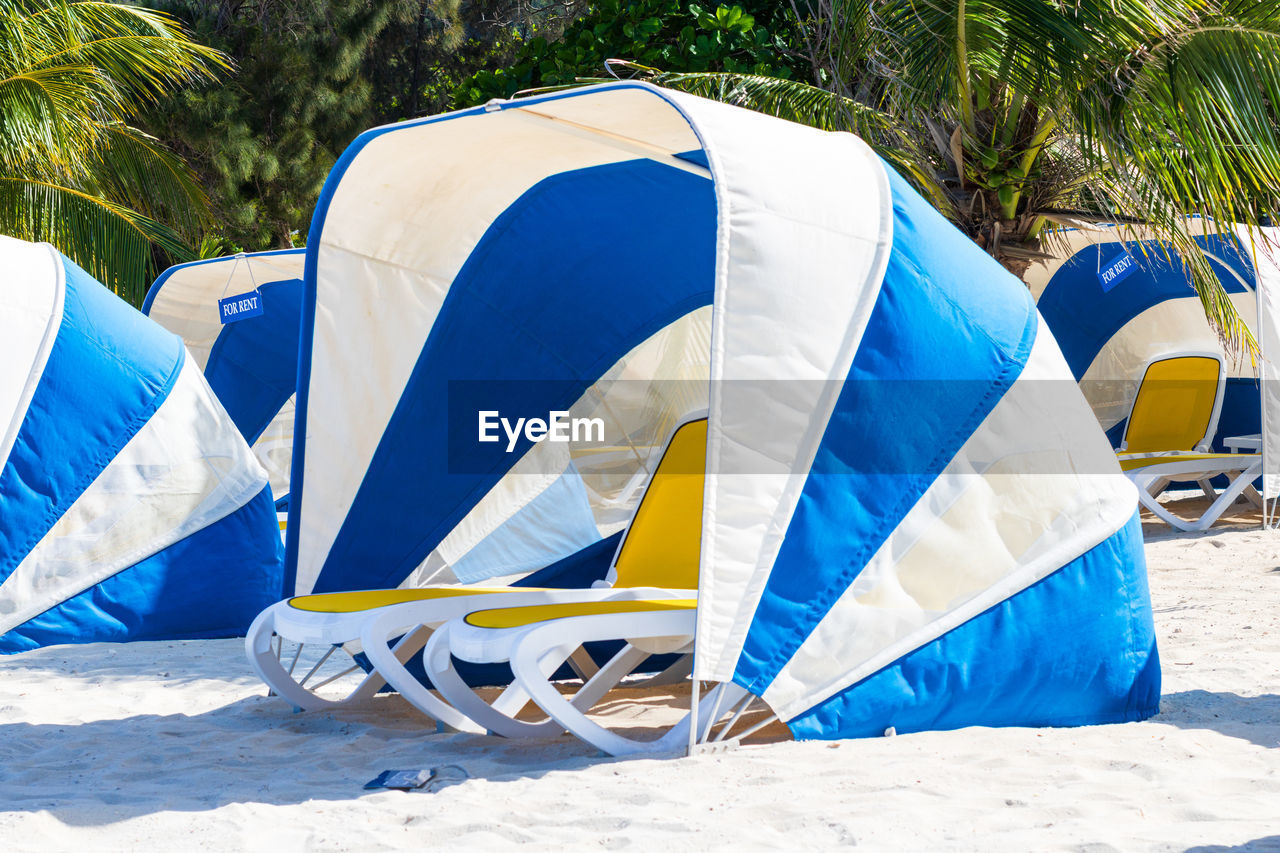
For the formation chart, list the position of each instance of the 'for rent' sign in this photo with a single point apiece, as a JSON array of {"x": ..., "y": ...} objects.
[
  {"x": 239, "y": 307},
  {"x": 1117, "y": 270}
]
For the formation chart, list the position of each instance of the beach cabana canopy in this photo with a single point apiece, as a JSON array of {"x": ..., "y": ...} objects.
[
  {"x": 130, "y": 506},
  {"x": 1116, "y": 304},
  {"x": 904, "y": 523},
  {"x": 250, "y": 363}
]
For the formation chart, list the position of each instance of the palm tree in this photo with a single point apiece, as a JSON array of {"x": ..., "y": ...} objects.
[
  {"x": 73, "y": 170},
  {"x": 1019, "y": 117}
]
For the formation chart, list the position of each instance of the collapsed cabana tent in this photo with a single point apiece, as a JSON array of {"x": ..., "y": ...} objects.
[
  {"x": 906, "y": 522},
  {"x": 130, "y": 506},
  {"x": 250, "y": 359}
]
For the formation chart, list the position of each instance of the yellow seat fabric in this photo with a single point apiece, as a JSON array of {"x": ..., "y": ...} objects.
[
  {"x": 1174, "y": 406},
  {"x": 354, "y": 602},
  {"x": 661, "y": 548},
  {"x": 515, "y": 617},
  {"x": 1244, "y": 459}
]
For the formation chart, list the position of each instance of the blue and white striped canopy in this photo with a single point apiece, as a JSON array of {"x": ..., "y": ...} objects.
[
  {"x": 130, "y": 506},
  {"x": 911, "y": 517},
  {"x": 251, "y": 364}
]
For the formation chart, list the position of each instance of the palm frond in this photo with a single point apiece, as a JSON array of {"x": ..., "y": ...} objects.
[
  {"x": 143, "y": 52},
  {"x": 134, "y": 169},
  {"x": 109, "y": 240},
  {"x": 1187, "y": 127},
  {"x": 72, "y": 170}
]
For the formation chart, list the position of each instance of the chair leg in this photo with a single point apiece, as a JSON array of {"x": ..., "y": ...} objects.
[
  {"x": 264, "y": 660},
  {"x": 1207, "y": 488},
  {"x": 1149, "y": 502},
  {"x": 1238, "y": 484},
  {"x": 673, "y": 674},
  {"x": 529, "y": 647},
  {"x": 390, "y": 665},
  {"x": 619, "y": 667},
  {"x": 499, "y": 717}
]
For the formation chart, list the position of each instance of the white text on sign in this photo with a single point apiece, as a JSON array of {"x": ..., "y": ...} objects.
[{"x": 558, "y": 427}]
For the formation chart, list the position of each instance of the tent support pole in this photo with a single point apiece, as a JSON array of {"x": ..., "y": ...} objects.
[{"x": 693, "y": 716}]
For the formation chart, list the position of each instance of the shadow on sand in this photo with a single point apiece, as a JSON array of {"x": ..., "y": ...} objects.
[
  {"x": 1271, "y": 842},
  {"x": 103, "y": 771},
  {"x": 1252, "y": 718}
]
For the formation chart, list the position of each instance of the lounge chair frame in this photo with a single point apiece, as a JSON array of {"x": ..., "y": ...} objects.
[{"x": 391, "y": 634}]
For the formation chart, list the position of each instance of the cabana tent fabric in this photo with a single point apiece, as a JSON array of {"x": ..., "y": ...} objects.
[
  {"x": 1110, "y": 334},
  {"x": 1265, "y": 244},
  {"x": 250, "y": 364},
  {"x": 130, "y": 507},
  {"x": 911, "y": 517}
]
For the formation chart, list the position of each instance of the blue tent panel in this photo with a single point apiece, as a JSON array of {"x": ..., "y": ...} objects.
[
  {"x": 108, "y": 372},
  {"x": 253, "y": 364},
  {"x": 1084, "y": 317},
  {"x": 1079, "y": 647},
  {"x": 950, "y": 332},
  {"x": 210, "y": 584}
]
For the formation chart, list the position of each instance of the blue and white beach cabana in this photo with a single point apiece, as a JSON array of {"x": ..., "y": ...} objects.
[
  {"x": 1110, "y": 325},
  {"x": 130, "y": 506},
  {"x": 910, "y": 519},
  {"x": 1118, "y": 305}
]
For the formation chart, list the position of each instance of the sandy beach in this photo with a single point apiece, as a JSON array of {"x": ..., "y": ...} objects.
[{"x": 175, "y": 746}]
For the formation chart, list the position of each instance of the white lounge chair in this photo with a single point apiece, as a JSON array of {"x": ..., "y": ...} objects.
[
  {"x": 375, "y": 619},
  {"x": 1169, "y": 435},
  {"x": 537, "y": 640},
  {"x": 656, "y": 567}
]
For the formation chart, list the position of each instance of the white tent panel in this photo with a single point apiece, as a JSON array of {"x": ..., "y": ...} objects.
[
  {"x": 1263, "y": 245},
  {"x": 184, "y": 307},
  {"x": 31, "y": 293},
  {"x": 805, "y": 267},
  {"x": 631, "y": 117},
  {"x": 409, "y": 260},
  {"x": 1176, "y": 325},
  {"x": 644, "y": 396},
  {"x": 274, "y": 448}
]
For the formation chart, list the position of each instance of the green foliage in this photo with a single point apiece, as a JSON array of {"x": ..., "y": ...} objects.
[
  {"x": 1021, "y": 116},
  {"x": 423, "y": 55},
  {"x": 265, "y": 139},
  {"x": 73, "y": 171},
  {"x": 755, "y": 37}
]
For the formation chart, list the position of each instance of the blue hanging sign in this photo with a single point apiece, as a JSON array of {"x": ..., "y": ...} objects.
[
  {"x": 242, "y": 306},
  {"x": 1117, "y": 270}
]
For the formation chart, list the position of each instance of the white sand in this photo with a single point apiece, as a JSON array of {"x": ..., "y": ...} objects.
[{"x": 174, "y": 746}]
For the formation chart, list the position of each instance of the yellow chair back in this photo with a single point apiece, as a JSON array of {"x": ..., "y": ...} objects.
[
  {"x": 1175, "y": 404},
  {"x": 661, "y": 546}
]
